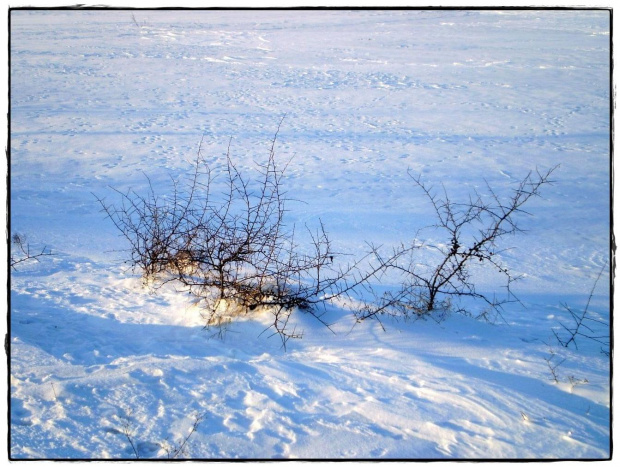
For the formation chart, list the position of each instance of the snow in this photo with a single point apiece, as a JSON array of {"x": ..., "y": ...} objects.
[{"x": 458, "y": 97}]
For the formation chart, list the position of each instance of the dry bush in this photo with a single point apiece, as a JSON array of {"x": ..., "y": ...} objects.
[
  {"x": 472, "y": 231},
  {"x": 233, "y": 250}
]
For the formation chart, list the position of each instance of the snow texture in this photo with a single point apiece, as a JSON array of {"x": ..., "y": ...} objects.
[{"x": 98, "y": 99}]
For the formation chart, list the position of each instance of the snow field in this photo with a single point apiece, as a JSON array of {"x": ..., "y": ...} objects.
[{"x": 458, "y": 97}]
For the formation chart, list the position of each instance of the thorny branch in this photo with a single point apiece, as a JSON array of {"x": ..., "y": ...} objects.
[
  {"x": 24, "y": 253},
  {"x": 472, "y": 231},
  {"x": 233, "y": 250}
]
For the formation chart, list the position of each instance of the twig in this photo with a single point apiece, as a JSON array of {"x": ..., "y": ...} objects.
[
  {"x": 173, "y": 453},
  {"x": 579, "y": 320},
  {"x": 24, "y": 248},
  {"x": 127, "y": 433}
]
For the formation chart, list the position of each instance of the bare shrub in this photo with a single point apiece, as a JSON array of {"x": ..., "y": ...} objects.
[
  {"x": 233, "y": 250},
  {"x": 472, "y": 231}
]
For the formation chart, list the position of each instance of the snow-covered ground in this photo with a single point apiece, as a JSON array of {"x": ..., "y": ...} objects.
[{"x": 99, "y": 98}]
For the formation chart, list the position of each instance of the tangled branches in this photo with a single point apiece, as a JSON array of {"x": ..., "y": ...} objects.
[
  {"x": 472, "y": 231},
  {"x": 233, "y": 250}
]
